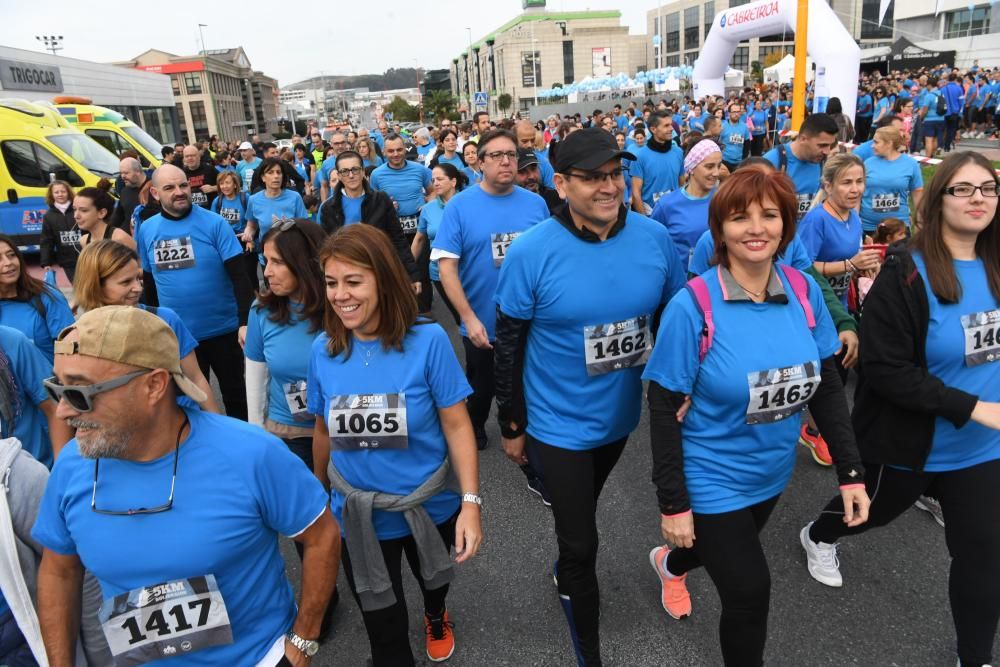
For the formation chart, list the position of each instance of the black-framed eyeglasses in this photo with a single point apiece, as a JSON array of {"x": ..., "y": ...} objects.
[
  {"x": 594, "y": 177},
  {"x": 500, "y": 155},
  {"x": 351, "y": 171},
  {"x": 81, "y": 397},
  {"x": 142, "y": 510},
  {"x": 966, "y": 190}
]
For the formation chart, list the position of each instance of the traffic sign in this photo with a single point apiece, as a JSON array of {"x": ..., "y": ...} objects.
[{"x": 481, "y": 98}]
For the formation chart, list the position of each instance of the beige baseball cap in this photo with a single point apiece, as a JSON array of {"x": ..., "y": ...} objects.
[{"x": 129, "y": 336}]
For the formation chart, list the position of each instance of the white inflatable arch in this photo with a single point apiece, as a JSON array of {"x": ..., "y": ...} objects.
[{"x": 836, "y": 54}]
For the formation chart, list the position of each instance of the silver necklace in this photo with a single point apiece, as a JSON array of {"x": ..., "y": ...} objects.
[{"x": 369, "y": 351}]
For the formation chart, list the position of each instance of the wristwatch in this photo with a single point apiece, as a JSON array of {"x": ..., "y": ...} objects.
[
  {"x": 472, "y": 498},
  {"x": 307, "y": 646}
]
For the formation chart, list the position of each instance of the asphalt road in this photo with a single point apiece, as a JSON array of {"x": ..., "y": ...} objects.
[{"x": 892, "y": 610}]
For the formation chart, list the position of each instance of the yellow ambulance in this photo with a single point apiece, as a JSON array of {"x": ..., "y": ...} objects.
[{"x": 110, "y": 129}]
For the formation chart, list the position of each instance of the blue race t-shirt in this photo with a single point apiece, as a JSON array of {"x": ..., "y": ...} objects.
[
  {"x": 888, "y": 184},
  {"x": 545, "y": 169},
  {"x": 685, "y": 217},
  {"x": 659, "y": 172},
  {"x": 417, "y": 382},
  {"x": 405, "y": 186},
  {"x": 455, "y": 161},
  {"x": 805, "y": 175},
  {"x": 929, "y": 101},
  {"x": 245, "y": 171},
  {"x": 865, "y": 150},
  {"x": 285, "y": 348},
  {"x": 864, "y": 106},
  {"x": 233, "y": 211},
  {"x": 351, "y": 206},
  {"x": 740, "y": 434},
  {"x": 41, "y": 330},
  {"x": 830, "y": 239},
  {"x": 473, "y": 175},
  {"x": 963, "y": 351},
  {"x": 185, "y": 341},
  {"x": 265, "y": 210},
  {"x": 429, "y": 223},
  {"x": 733, "y": 136},
  {"x": 478, "y": 227},
  {"x": 186, "y": 258},
  {"x": 29, "y": 367},
  {"x": 795, "y": 255},
  {"x": 237, "y": 489},
  {"x": 591, "y": 307}
]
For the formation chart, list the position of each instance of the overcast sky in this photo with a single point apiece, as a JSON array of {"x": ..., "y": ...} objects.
[{"x": 289, "y": 41}]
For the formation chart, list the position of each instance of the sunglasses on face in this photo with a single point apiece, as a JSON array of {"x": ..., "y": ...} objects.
[{"x": 81, "y": 397}]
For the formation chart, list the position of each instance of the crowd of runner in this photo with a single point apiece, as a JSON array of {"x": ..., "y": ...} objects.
[{"x": 684, "y": 253}]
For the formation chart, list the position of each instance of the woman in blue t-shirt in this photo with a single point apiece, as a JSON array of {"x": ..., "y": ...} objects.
[
  {"x": 31, "y": 306},
  {"x": 389, "y": 396},
  {"x": 927, "y": 415},
  {"x": 447, "y": 151},
  {"x": 446, "y": 180},
  {"x": 303, "y": 164},
  {"x": 891, "y": 178},
  {"x": 274, "y": 202},
  {"x": 109, "y": 274},
  {"x": 740, "y": 385},
  {"x": 369, "y": 156},
  {"x": 473, "y": 170}
]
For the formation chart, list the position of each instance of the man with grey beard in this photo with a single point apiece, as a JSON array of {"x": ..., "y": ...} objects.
[{"x": 175, "y": 510}]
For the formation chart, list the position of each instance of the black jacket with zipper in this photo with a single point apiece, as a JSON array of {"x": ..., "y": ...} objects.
[
  {"x": 58, "y": 229},
  {"x": 378, "y": 211},
  {"x": 897, "y": 398}
]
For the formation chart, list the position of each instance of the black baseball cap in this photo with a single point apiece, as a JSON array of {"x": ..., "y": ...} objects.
[
  {"x": 588, "y": 149},
  {"x": 526, "y": 158}
]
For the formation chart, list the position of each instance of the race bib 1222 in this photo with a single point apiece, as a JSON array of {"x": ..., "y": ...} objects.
[{"x": 172, "y": 254}]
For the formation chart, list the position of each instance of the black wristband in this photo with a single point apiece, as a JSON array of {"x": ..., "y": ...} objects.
[{"x": 511, "y": 433}]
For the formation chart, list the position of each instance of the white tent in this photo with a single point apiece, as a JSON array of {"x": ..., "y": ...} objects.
[{"x": 784, "y": 70}]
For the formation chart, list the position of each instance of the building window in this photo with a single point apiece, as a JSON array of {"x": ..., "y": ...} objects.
[
  {"x": 965, "y": 23},
  {"x": 192, "y": 83},
  {"x": 741, "y": 58},
  {"x": 568, "y": 73},
  {"x": 175, "y": 83},
  {"x": 870, "y": 28},
  {"x": 673, "y": 32},
  {"x": 672, "y": 61},
  {"x": 531, "y": 69},
  {"x": 691, "y": 25},
  {"x": 709, "y": 16},
  {"x": 199, "y": 121},
  {"x": 765, "y": 51},
  {"x": 737, "y": 3},
  {"x": 690, "y": 57}
]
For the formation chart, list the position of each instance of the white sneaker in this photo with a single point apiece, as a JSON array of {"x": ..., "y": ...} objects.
[{"x": 821, "y": 560}]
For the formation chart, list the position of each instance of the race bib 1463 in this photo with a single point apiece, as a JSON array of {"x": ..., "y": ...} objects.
[{"x": 780, "y": 392}]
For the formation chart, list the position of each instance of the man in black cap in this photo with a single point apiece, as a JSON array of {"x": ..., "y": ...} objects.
[
  {"x": 529, "y": 177},
  {"x": 586, "y": 284}
]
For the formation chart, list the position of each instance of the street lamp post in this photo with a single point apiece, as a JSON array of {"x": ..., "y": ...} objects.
[
  {"x": 468, "y": 72},
  {"x": 52, "y": 43}
]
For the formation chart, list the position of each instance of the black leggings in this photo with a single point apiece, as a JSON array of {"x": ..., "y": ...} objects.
[
  {"x": 439, "y": 287},
  {"x": 389, "y": 628},
  {"x": 970, "y": 501},
  {"x": 574, "y": 480},
  {"x": 729, "y": 547},
  {"x": 479, "y": 373},
  {"x": 224, "y": 356}
]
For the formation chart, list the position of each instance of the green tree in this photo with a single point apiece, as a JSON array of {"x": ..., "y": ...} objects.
[
  {"x": 504, "y": 101},
  {"x": 402, "y": 110},
  {"x": 439, "y": 103}
]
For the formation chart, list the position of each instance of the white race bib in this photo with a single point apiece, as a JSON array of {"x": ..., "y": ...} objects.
[
  {"x": 616, "y": 345},
  {"x": 367, "y": 421},
  {"x": 198, "y": 198},
  {"x": 295, "y": 398},
  {"x": 885, "y": 202},
  {"x": 840, "y": 283},
  {"x": 805, "y": 200},
  {"x": 736, "y": 139},
  {"x": 779, "y": 393},
  {"x": 165, "y": 620},
  {"x": 499, "y": 244},
  {"x": 71, "y": 237},
  {"x": 172, "y": 254},
  {"x": 408, "y": 223},
  {"x": 982, "y": 337}
]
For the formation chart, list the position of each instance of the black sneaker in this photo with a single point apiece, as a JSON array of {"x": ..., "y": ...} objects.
[
  {"x": 536, "y": 486},
  {"x": 482, "y": 442}
]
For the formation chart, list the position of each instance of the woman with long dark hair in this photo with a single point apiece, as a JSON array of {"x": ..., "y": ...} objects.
[
  {"x": 446, "y": 181},
  {"x": 27, "y": 304},
  {"x": 927, "y": 409},
  {"x": 92, "y": 209}
]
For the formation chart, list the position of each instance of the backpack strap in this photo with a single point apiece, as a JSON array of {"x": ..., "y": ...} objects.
[
  {"x": 782, "y": 158},
  {"x": 800, "y": 288},
  {"x": 703, "y": 301}
]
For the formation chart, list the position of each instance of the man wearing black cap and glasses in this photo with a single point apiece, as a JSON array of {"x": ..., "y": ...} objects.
[
  {"x": 177, "y": 512},
  {"x": 529, "y": 177},
  {"x": 576, "y": 301}
]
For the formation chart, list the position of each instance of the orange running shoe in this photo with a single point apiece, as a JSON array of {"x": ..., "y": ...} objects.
[
  {"x": 814, "y": 442},
  {"x": 440, "y": 637},
  {"x": 674, "y": 595}
]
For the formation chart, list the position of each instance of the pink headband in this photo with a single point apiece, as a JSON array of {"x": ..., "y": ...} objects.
[{"x": 697, "y": 155}]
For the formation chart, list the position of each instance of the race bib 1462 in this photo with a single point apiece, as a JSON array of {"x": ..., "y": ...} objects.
[{"x": 616, "y": 345}]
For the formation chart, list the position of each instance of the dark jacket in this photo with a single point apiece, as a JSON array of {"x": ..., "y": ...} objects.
[
  {"x": 897, "y": 398},
  {"x": 60, "y": 238},
  {"x": 292, "y": 179},
  {"x": 378, "y": 211},
  {"x": 551, "y": 197}
]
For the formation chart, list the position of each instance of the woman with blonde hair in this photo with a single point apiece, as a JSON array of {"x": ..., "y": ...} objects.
[
  {"x": 109, "y": 274},
  {"x": 60, "y": 242},
  {"x": 891, "y": 177}
]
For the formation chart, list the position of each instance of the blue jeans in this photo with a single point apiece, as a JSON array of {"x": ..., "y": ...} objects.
[{"x": 14, "y": 649}]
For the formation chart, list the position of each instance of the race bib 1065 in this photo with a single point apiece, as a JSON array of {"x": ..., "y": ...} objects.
[
  {"x": 165, "y": 620},
  {"x": 367, "y": 421},
  {"x": 616, "y": 345},
  {"x": 780, "y": 392},
  {"x": 982, "y": 337}
]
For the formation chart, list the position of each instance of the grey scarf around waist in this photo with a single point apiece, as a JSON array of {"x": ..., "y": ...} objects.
[{"x": 371, "y": 579}]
